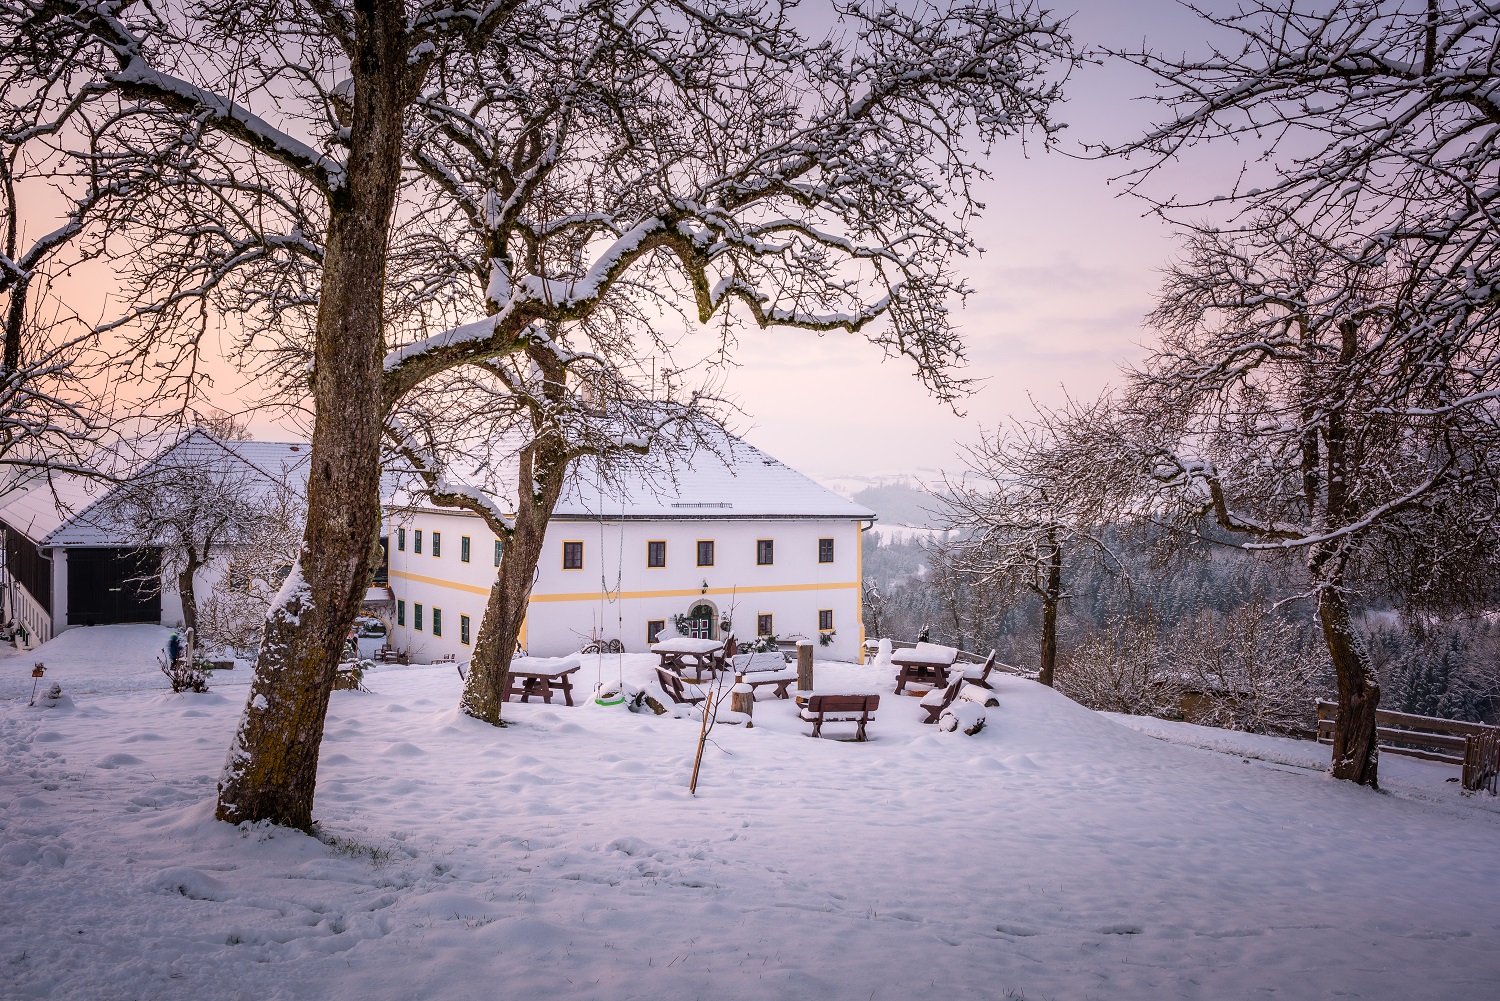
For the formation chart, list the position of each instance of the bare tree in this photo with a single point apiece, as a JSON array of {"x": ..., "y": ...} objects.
[
  {"x": 1341, "y": 356},
  {"x": 196, "y": 504},
  {"x": 1030, "y": 509},
  {"x": 1285, "y": 409}
]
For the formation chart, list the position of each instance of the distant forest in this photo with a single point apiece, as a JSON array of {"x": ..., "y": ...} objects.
[{"x": 1203, "y": 632}]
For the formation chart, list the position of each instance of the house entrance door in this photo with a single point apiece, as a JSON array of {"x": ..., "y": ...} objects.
[{"x": 700, "y": 622}]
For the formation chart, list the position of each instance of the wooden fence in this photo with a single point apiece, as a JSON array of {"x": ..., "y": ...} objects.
[{"x": 1473, "y": 746}]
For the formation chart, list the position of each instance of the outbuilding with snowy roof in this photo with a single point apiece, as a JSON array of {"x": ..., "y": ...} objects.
[{"x": 72, "y": 558}]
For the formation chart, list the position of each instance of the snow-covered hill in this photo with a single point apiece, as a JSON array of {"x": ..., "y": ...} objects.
[{"x": 1056, "y": 854}]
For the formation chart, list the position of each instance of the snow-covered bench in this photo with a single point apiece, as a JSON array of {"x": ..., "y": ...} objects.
[
  {"x": 759, "y": 669},
  {"x": 679, "y": 691},
  {"x": 958, "y": 689},
  {"x": 859, "y": 709}
]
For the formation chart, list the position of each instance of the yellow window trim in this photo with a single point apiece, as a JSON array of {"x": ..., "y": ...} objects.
[
  {"x": 581, "y": 561},
  {"x": 712, "y": 542}
]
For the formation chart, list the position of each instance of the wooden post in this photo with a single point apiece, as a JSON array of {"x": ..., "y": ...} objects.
[
  {"x": 742, "y": 699},
  {"x": 804, "y": 668}
]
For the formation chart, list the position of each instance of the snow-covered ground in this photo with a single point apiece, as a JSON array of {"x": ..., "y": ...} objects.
[{"x": 1057, "y": 854}]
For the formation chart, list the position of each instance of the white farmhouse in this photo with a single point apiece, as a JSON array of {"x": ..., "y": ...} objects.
[{"x": 735, "y": 542}]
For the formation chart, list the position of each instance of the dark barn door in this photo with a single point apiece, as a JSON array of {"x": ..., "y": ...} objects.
[{"x": 113, "y": 585}]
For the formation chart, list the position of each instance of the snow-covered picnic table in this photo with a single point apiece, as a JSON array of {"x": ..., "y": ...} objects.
[
  {"x": 682, "y": 653},
  {"x": 926, "y": 663},
  {"x": 540, "y": 676}
]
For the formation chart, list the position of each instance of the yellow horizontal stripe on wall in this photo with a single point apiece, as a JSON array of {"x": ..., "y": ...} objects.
[
  {"x": 693, "y": 592},
  {"x": 440, "y": 583}
]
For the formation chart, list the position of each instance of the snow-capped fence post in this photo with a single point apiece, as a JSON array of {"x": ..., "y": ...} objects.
[
  {"x": 804, "y": 669},
  {"x": 742, "y": 699}
]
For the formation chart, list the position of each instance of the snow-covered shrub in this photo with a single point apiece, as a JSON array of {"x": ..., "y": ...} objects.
[
  {"x": 187, "y": 675},
  {"x": 351, "y": 675},
  {"x": 1247, "y": 669},
  {"x": 1119, "y": 668}
]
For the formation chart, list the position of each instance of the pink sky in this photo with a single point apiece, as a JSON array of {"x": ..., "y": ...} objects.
[{"x": 1069, "y": 269}]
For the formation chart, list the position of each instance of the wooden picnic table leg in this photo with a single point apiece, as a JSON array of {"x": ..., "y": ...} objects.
[{"x": 567, "y": 689}]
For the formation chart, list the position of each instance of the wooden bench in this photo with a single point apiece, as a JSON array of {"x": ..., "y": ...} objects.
[
  {"x": 528, "y": 682},
  {"x": 858, "y": 709},
  {"x": 761, "y": 669},
  {"x": 981, "y": 677},
  {"x": 677, "y": 690},
  {"x": 1473, "y": 746},
  {"x": 959, "y": 689}
]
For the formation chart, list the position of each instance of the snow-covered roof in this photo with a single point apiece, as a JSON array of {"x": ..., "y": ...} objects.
[
  {"x": 735, "y": 480},
  {"x": 39, "y": 507},
  {"x": 726, "y": 479},
  {"x": 273, "y": 463}
]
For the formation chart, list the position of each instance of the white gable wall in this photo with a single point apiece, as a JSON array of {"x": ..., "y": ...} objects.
[{"x": 567, "y": 607}]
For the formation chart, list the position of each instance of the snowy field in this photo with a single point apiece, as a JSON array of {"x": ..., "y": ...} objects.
[{"x": 1057, "y": 854}]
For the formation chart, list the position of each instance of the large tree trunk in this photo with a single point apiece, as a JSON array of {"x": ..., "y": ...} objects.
[
  {"x": 489, "y": 671},
  {"x": 1051, "y": 598},
  {"x": 1355, "y": 755},
  {"x": 272, "y": 766}
]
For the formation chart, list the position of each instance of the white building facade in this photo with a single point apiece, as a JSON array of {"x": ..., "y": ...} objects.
[{"x": 735, "y": 543}]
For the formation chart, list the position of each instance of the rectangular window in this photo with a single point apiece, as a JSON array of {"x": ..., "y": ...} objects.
[
  {"x": 463, "y": 549},
  {"x": 765, "y": 552},
  {"x": 825, "y": 619},
  {"x": 416, "y": 541},
  {"x": 572, "y": 556},
  {"x": 656, "y": 554},
  {"x": 437, "y": 543},
  {"x": 499, "y": 551},
  {"x": 825, "y": 550},
  {"x": 416, "y": 616},
  {"x": 437, "y": 622},
  {"x": 400, "y": 612},
  {"x": 401, "y": 539},
  {"x": 654, "y": 628},
  {"x": 463, "y": 629},
  {"x": 705, "y": 553},
  {"x": 763, "y": 626}
]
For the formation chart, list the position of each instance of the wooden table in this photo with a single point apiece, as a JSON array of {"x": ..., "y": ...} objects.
[
  {"x": 924, "y": 666},
  {"x": 682, "y": 653},
  {"x": 540, "y": 681}
]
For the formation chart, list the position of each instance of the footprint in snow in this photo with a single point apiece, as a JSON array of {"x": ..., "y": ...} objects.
[{"x": 117, "y": 761}]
